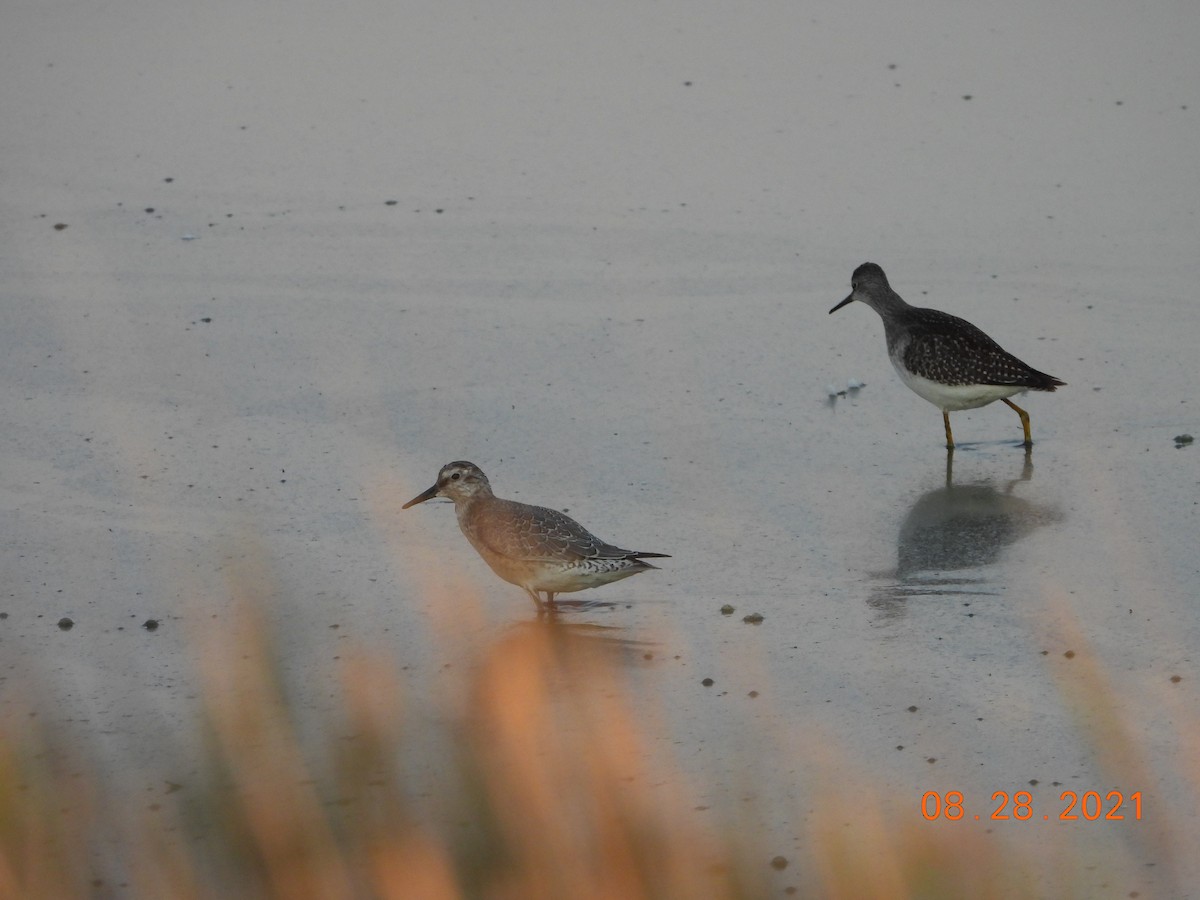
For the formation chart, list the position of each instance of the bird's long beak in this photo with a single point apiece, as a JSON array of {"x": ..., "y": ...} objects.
[
  {"x": 421, "y": 498},
  {"x": 849, "y": 299}
]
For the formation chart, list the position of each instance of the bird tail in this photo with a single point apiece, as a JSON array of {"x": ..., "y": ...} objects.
[{"x": 1043, "y": 382}]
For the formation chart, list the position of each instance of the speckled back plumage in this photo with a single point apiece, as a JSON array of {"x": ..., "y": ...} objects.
[
  {"x": 950, "y": 350},
  {"x": 522, "y": 531}
]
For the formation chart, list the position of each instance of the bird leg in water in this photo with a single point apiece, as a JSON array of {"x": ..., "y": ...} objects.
[{"x": 1024, "y": 420}]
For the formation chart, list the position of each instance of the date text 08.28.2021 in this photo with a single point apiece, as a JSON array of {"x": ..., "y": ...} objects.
[{"x": 1090, "y": 806}]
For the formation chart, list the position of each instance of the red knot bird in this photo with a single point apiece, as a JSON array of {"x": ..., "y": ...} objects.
[
  {"x": 943, "y": 358},
  {"x": 539, "y": 549}
]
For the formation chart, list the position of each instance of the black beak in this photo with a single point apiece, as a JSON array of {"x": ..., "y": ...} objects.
[
  {"x": 849, "y": 299},
  {"x": 421, "y": 498}
]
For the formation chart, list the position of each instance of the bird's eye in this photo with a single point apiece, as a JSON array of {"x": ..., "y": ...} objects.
[{"x": 456, "y": 476}]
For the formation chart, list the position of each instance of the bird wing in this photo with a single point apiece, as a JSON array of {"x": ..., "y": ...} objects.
[
  {"x": 950, "y": 350},
  {"x": 520, "y": 531}
]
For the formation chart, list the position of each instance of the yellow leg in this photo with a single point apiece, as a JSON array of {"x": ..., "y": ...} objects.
[
  {"x": 1024, "y": 420},
  {"x": 949, "y": 434}
]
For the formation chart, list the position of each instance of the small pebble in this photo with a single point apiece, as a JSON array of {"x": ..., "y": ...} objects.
[
  {"x": 753, "y": 619},
  {"x": 707, "y": 682},
  {"x": 780, "y": 863},
  {"x": 65, "y": 623},
  {"x": 727, "y": 610},
  {"x": 150, "y": 624}
]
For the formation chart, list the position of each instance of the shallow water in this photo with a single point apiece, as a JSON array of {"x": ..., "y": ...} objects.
[{"x": 611, "y": 294}]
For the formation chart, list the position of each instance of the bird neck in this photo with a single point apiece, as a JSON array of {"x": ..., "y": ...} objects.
[
  {"x": 890, "y": 305},
  {"x": 464, "y": 503}
]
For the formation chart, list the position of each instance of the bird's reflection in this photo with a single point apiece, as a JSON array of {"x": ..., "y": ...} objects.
[
  {"x": 569, "y": 634},
  {"x": 953, "y": 531}
]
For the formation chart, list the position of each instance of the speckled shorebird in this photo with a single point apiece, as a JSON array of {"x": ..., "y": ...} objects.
[
  {"x": 943, "y": 358},
  {"x": 539, "y": 549}
]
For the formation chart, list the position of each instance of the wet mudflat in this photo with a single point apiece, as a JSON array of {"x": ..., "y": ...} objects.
[{"x": 280, "y": 303}]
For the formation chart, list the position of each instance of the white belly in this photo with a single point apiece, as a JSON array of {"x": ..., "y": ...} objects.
[
  {"x": 948, "y": 397},
  {"x": 590, "y": 573}
]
